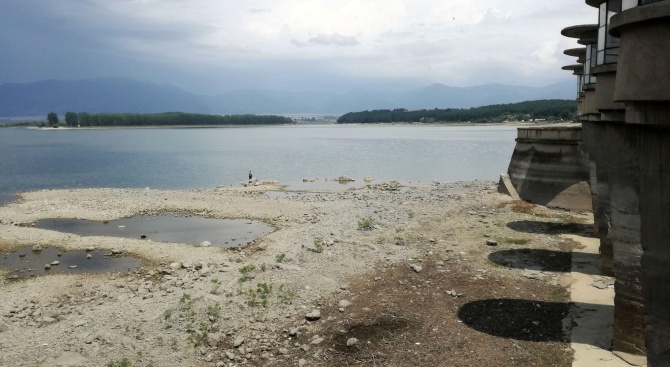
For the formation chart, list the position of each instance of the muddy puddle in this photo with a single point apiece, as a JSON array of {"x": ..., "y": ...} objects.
[
  {"x": 26, "y": 263},
  {"x": 167, "y": 227}
]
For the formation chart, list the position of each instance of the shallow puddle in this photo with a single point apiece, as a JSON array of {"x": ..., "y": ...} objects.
[
  {"x": 25, "y": 263},
  {"x": 167, "y": 227},
  {"x": 7, "y": 197}
]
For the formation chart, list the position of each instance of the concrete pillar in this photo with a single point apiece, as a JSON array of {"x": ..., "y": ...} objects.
[
  {"x": 597, "y": 146},
  {"x": 624, "y": 190},
  {"x": 643, "y": 84}
]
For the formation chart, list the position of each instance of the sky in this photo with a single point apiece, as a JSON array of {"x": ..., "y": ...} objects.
[{"x": 214, "y": 46}]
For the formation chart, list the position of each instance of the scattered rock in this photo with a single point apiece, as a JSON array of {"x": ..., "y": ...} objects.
[
  {"x": 314, "y": 315},
  {"x": 344, "y": 304},
  {"x": 89, "y": 256},
  {"x": 352, "y": 342},
  {"x": 47, "y": 267},
  {"x": 238, "y": 341},
  {"x": 205, "y": 244},
  {"x": 37, "y": 248},
  {"x": 53, "y": 263},
  {"x": 416, "y": 268},
  {"x": 491, "y": 243},
  {"x": 117, "y": 252},
  {"x": 213, "y": 339}
]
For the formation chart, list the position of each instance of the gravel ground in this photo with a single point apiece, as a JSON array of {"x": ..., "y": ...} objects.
[{"x": 276, "y": 301}]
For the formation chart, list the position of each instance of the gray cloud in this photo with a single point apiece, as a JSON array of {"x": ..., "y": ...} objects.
[{"x": 334, "y": 39}]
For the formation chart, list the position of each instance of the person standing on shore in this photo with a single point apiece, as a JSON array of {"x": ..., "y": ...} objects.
[{"x": 250, "y": 176}]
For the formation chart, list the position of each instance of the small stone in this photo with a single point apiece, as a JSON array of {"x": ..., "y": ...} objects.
[
  {"x": 72, "y": 266},
  {"x": 238, "y": 341},
  {"x": 230, "y": 355},
  {"x": 53, "y": 263},
  {"x": 302, "y": 362},
  {"x": 186, "y": 264},
  {"x": 491, "y": 243},
  {"x": 213, "y": 339},
  {"x": 344, "y": 304},
  {"x": 175, "y": 266},
  {"x": 293, "y": 332},
  {"x": 47, "y": 321},
  {"x": 416, "y": 268},
  {"x": 205, "y": 244},
  {"x": 351, "y": 342},
  {"x": 47, "y": 267},
  {"x": 117, "y": 252},
  {"x": 314, "y": 315},
  {"x": 37, "y": 248},
  {"x": 89, "y": 256},
  {"x": 283, "y": 351}
]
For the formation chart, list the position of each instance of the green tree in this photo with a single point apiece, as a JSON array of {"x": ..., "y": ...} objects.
[
  {"x": 84, "y": 119},
  {"x": 52, "y": 117},
  {"x": 71, "y": 119}
]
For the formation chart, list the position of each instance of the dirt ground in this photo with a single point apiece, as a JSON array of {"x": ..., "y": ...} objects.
[{"x": 442, "y": 275}]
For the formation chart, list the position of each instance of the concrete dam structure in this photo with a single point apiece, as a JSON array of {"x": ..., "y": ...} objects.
[
  {"x": 549, "y": 168},
  {"x": 623, "y": 72}
]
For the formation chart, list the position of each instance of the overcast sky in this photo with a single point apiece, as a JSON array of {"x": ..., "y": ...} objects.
[{"x": 212, "y": 46}]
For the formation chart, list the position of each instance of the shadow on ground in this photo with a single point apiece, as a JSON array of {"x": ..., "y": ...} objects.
[
  {"x": 534, "y": 226},
  {"x": 547, "y": 260},
  {"x": 525, "y": 320}
]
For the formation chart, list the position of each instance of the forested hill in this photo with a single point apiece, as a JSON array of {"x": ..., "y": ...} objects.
[
  {"x": 84, "y": 119},
  {"x": 549, "y": 109}
]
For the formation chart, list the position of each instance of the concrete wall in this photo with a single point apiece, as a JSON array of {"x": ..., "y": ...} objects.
[{"x": 549, "y": 168}]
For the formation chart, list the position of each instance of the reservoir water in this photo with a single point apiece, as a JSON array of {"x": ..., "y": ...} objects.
[{"x": 169, "y": 158}]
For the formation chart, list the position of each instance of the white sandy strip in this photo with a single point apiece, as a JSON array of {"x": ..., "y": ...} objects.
[{"x": 593, "y": 312}]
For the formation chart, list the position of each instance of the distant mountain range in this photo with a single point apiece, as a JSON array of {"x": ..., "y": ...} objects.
[{"x": 128, "y": 95}]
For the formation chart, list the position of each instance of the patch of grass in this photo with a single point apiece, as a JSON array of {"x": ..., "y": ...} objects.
[
  {"x": 167, "y": 315},
  {"x": 259, "y": 296},
  {"x": 280, "y": 257},
  {"x": 246, "y": 272},
  {"x": 123, "y": 362},
  {"x": 514, "y": 241},
  {"x": 215, "y": 286},
  {"x": 184, "y": 298},
  {"x": 410, "y": 215},
  {"x": 518, "y": 206},
  {"x": 285, "y": 295},
  {"x": 365, "y": 224},
  {"x": 214, "y": 312},
  {"x": 399, "y": 230},
  {"x": 318, "y": 246}
]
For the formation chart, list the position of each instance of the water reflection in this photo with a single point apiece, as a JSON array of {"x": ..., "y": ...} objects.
[
  {"x": 25, "y": 263},
  {"x": 166, "y": 227}
]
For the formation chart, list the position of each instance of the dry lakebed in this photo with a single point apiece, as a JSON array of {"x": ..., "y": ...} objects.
[{"x": 448, "y": 274}]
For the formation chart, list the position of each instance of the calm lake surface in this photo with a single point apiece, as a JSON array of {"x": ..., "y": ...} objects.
[{"x": 210, "y": 157}]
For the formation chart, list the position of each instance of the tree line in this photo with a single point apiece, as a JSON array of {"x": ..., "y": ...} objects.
[
  {"x": 84, "y": 119},
  {"x": 549, "y": 109}
]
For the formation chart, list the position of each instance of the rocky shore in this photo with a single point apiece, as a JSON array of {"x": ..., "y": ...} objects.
[{"x": 282, "y": 300}]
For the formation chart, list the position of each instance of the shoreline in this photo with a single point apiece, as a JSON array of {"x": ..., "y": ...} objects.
[
  {"x": 417, "y": 124},
  {"x": 325, "y": 248}
]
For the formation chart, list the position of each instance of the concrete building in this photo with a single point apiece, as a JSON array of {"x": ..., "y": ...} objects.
[{"x": 625, "y": 112}]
